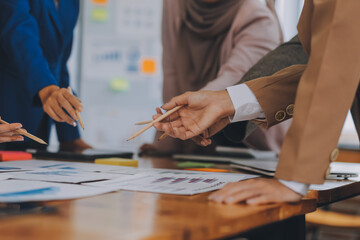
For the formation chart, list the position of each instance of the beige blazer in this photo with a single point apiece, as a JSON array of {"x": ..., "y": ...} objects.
[
  {"x": 254, "y": 32},
  {"x": 318, "y": 95}
]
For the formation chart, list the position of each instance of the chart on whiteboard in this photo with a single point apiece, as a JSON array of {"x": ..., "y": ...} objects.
[{"x": 173, "y": 183}]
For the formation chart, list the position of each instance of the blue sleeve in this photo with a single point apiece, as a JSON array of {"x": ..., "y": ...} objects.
[
  {"x": 65, "y": 79},
  {"x": 65, "y": 132},
  {"x": 19, "y": 38}
]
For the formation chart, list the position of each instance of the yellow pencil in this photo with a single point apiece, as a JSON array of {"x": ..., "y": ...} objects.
[
  {"x": 165, "y": 115},
  {"x": 162, "y": 137},
  {"x": 23, "y": 132},
  {"x": 144, "y": 122}
]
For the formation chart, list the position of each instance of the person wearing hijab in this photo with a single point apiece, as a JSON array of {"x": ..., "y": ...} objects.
[
  {"x": 210, "y": 45},
  {"x": 35, "y": 45}
]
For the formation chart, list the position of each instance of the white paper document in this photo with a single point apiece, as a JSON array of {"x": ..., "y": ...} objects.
[
  {"x": 32, "y": 191},
  {"x": 63, "y": 176},
  {"x": 4, "y": 176},
  {"x": 172, "y": 183},
  {"x": 14, "y": 167},
  {"x": 61, "y": 165}
]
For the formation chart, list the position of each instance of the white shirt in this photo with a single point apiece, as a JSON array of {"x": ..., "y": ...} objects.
[{"x": 247, "y": 108}]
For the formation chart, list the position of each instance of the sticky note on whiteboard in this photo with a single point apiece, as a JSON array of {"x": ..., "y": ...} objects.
[
  {"x": 119, "y": 85},
  {"x": 100, "y": 14},
  {"x": 100, "y": 2},
  {"x": 148, "y": 66}
]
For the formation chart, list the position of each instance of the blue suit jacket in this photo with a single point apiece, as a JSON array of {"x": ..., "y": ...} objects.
[{"x": 35, "y": 44}]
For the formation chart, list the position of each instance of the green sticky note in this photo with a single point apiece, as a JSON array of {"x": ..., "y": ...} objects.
[
  {"x": 99, "y": 14},
  {"x": 119, "y": 85},
  {"x": 195, "y": 165}
]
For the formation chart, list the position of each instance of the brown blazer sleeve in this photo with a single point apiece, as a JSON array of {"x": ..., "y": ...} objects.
[
  {"x": 325, "y": 92},
  {"x": 276, "y": 94}
]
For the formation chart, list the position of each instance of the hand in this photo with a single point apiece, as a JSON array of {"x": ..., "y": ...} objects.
[
  {"x": 77, "y": 145},
  {"x": 205, "y": 140},
  {"x": 202, "y": 110},
  {"x": 8, "y": 132},
  {"x": 55, "y": 100},
  {"x": 254, "y": 192},
  {"x": 200, "y": 140}
]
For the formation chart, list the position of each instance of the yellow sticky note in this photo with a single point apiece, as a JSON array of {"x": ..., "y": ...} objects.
[
  {"x": 100, "y": 14},
  {"x": 119, "y": 85},
  {"x": 148, "y": 66},
  {"x": 118, "y": 162}
]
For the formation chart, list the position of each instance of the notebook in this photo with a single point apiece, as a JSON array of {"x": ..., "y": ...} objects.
[
  {"x": 227, "y": 155},
  {"x": 87, "y": 155}
]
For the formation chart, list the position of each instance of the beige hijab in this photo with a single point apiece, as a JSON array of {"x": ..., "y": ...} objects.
[{"x": 203, "y": 29}]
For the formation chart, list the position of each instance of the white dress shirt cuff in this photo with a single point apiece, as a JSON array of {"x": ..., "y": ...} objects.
[
  {"x": 245, "y": 103},
  {"x": 300, "y": 188}
]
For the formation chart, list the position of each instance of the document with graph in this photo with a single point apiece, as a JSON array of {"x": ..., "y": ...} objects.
[
  {"x": 170, "y": 182},
  {"x": 15, "y": 191}
]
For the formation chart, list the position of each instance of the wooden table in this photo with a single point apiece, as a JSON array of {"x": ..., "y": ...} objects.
[
  {"x": 137, "y": 215},
  {"x": 334, "y": 195}
]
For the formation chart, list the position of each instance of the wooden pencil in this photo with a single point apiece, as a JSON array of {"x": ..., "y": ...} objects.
[
  {"x": 162, "y": 137},
  {"x": 23, "y": 132},
  {"x": 144, "y": 122},
  {"x": 77, "y": 112},
  {"x": 165, "y": 115}
]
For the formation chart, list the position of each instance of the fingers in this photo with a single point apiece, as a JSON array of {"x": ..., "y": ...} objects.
[
  {"x": 262, "y": 199},
  {"x": 158, "y": 110},
  {"x": 254, "y": 192},
  {"x": 74, "y": 101},
  {"x": 231, "y": 191},
  {"x": 66, "y": 105},
  {"x": 168, "y": 127},
  {"x": 16, "y": 138},
  {"x": 8, "y": 132},
  {"x": 7, "y": 128},
  {"x": 62, "y": 100},
  {"x": 176, "y": 132},
  {"x": 63, "y": 116},
  {"x": 172, "y": 117},
  {"x": 177, "y": 101},
  {"x": 201, "y": 141},
  {"x": 158, "y": 113},
  {"x": 52, "y": 114}
]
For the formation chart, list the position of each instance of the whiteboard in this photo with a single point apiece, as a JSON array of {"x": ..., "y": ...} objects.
[{"x": 121, "y": 75}]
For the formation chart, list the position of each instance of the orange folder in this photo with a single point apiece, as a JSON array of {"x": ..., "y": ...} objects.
[{"x": 14, "y": 155}]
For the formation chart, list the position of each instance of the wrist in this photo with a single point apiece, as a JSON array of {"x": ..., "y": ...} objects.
[
  {"x": 226, "y": 104},
  {"x": 45, "y": 93}
]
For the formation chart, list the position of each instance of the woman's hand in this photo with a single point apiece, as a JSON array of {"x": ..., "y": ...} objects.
[
  {"x": 205, "y": 139},
  {"x": 8, "y": 132},
  {"x": 202, "y": 111},
  {"x": 55, "y": 100},
  {"x": 254, "y": 192}
]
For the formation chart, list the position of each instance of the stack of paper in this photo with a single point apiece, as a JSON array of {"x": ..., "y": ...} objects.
[{"x": 36, "y": 180}]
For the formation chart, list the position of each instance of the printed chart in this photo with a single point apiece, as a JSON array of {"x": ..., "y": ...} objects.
[{"x": 172, "y": 183}]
